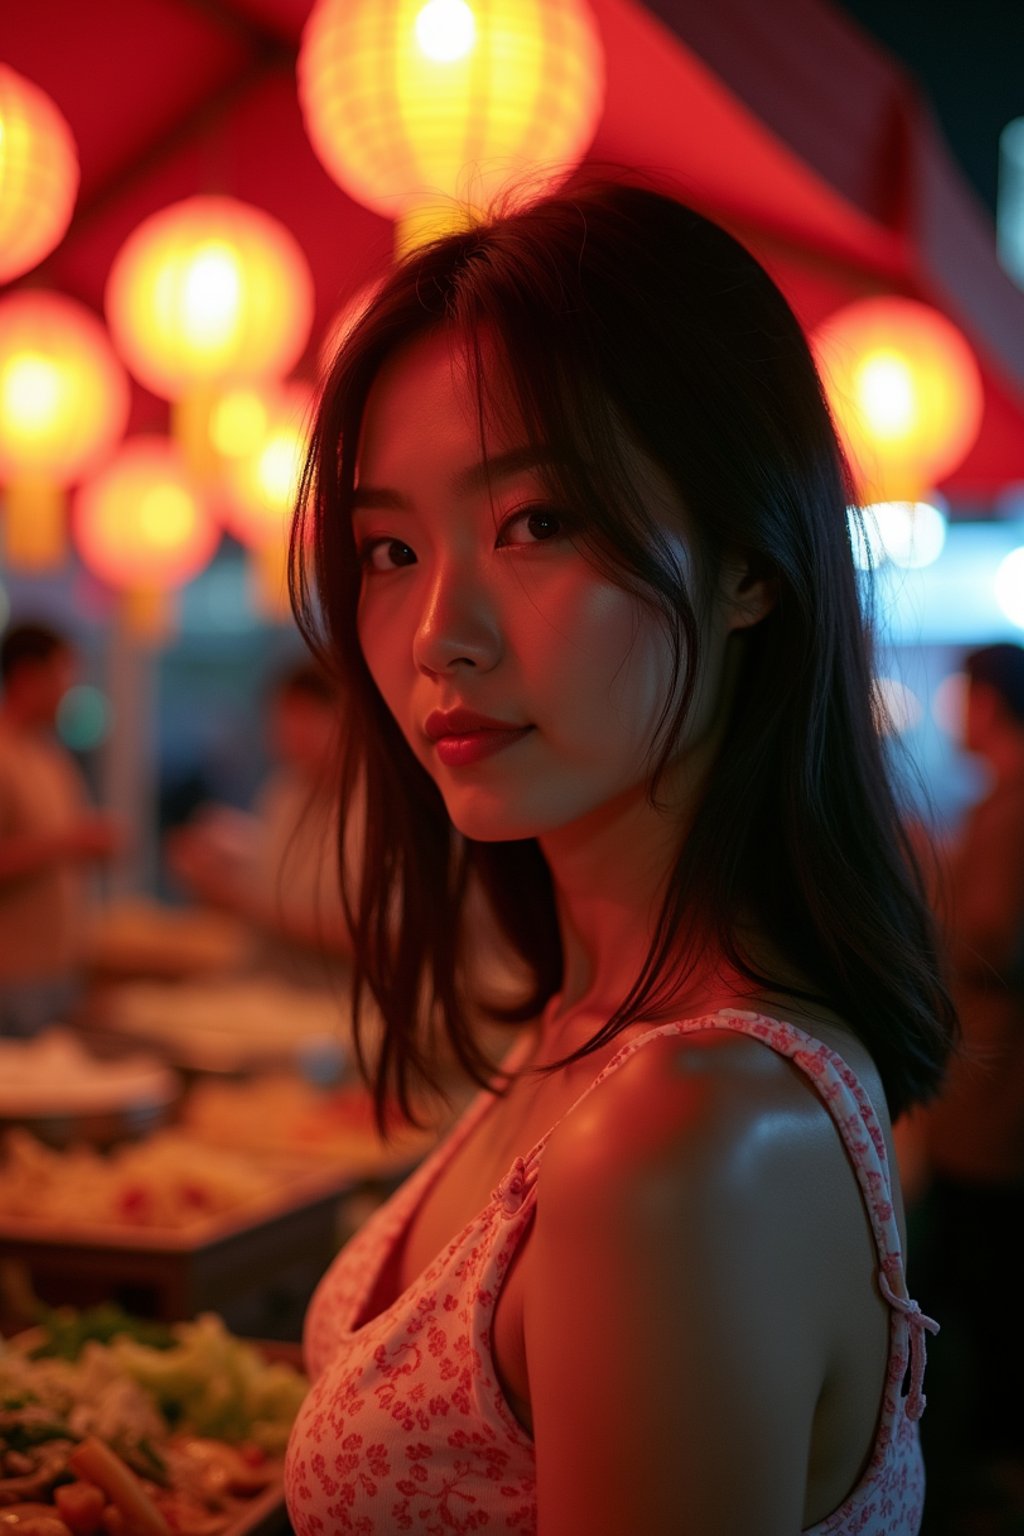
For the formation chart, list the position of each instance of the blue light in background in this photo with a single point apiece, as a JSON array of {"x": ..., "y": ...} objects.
[{"x": 952, "y": 601}]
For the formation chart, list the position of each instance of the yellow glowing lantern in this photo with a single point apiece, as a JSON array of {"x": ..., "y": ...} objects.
[
  {"x": 208, "y": 291},
  {"x": 262, "y": 470},
  {"x": 420, "y": 108},
  {"x": 141, "y": 526},
  {"x": 906, "y": 393},
  {"x": 64, "y": 402},
  {"x": 38, "y": 174}
]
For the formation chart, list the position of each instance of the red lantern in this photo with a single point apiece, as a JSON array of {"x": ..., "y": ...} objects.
[
  {"x": 409, "y": 105},
  {"x": 38, "y": 174},
  {"x": 142, "y": 527},
  {"x": 64, "y": 403},
  {"x": 906, "y": 393},
  {"x": 207, "y": 290}
]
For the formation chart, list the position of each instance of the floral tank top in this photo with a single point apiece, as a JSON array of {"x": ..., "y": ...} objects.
[{"x": 406, "y": 1427}]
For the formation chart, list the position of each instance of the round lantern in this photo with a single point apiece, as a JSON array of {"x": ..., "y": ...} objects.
[
  {"x": 206, "y": 290},
  {"x": 38, "y": 174},
  {"x": 141, "y": 526},
  {"x": 261, "y": 482},
  {"x": 906, "y": 393},
  {"x": 409, "y": 104},
  {"x": 64, "y": 402}
]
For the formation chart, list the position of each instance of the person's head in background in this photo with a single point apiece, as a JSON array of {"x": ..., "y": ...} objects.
[
  {"x": 994, "y": 707},
  {"x": 303, "y": 721},
  {"x": 37, "y": 667}
]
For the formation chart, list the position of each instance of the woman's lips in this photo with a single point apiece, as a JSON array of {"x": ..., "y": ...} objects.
[{"x": 457, "y": 751}]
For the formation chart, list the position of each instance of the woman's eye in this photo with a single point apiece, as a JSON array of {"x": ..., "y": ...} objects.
[
  {"x": 531, "y": 526},
  {"x": 386, "y": 554}
]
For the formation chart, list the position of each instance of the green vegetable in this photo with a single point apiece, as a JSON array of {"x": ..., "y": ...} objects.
[
  {"x": 215, "y": 1384},
  {"x": 68, "y": 1331}
]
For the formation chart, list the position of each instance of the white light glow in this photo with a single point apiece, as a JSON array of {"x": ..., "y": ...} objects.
[
  {"x": 911, "y": 533},
  {"x": 1009, "y": 586},
  {"x": 212, "y": 294},
  {"x": 446, "y": 30},
  {"x": 885, "y": 394},
  {"x": 31, "y": 396}
]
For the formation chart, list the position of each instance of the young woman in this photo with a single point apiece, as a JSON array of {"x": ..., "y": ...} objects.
[{"x": 578, "y": 538}]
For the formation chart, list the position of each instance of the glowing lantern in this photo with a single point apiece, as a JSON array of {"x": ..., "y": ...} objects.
[
  {"x": 410, "y": 104},
  {"x": 208, "y": 291},
  {"x": 141, "y": 526},
  {"x": 38, "y": 174},
  {"x": 261, "y": 476},
  {"x": 64, "y": 402},
  {"x": 906, "y": 393}
]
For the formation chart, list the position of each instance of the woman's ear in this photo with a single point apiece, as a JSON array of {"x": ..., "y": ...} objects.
[{"x": 748, "y": 591}]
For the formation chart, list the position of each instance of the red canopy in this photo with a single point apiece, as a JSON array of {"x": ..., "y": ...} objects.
[{"x": 785, "y": 121}]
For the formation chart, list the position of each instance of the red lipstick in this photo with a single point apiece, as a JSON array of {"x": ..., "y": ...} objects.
[{"x": 461, "y": 736}]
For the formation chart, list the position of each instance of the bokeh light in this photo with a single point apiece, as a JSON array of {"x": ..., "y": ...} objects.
[
  {"x": 897, "y": 708},
  {"x": 445, "y": 30},
  {"x": 83, "y": 718},
  {"x": 1009, "y": 586}
]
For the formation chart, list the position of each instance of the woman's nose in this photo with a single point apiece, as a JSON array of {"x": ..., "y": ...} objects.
[{"x": 458, "y": 626}]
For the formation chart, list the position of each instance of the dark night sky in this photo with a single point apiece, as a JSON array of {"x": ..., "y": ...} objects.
[{"x": 968, "y": 57}]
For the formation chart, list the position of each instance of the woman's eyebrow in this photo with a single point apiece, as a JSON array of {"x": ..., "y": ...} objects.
[
  {"x": 474, "y": 478},
  {"x": 502, "y": 465},
  {"x": 377, "y": 497}
]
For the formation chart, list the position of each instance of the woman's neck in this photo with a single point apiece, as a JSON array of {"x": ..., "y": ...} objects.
[{"x": 610, "y": 873}]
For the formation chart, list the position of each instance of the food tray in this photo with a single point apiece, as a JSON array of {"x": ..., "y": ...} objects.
[
  {"x": 256, "y": 1264},
  {"x": 224, "y": 1027},
  {"x": 266, "y": 1514}
]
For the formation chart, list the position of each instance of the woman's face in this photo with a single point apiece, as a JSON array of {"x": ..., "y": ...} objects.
[{"x": 527, "y": 684}]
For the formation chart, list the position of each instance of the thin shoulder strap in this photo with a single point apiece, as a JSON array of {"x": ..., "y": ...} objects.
[{"x": 855, "y": 1119}]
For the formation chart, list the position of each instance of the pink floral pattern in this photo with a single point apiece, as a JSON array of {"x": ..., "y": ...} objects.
[{"x": 406, "y": 1427}]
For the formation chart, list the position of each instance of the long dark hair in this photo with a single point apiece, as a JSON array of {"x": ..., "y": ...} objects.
[{"x": 622, "y": 316}]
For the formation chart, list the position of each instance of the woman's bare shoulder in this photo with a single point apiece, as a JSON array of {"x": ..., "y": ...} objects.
[
  {"x": 714, "y": 1105},
  {"x": 697, "y": 1215}
]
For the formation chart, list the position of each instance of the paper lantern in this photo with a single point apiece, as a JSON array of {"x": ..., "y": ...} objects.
[
  {"x": 38, "y": 174},
  {"x": 64, "y": 403},
  {"x": 208, "y": 290},
  {"x": 260, "y": 481},
  {"x": 410, "y": 104},
  {"x": 906, "y": 393},
  {"x": 141, "y": 526}
]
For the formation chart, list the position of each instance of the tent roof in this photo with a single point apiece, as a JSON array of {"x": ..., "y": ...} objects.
[{"x": 805, "y": 137}]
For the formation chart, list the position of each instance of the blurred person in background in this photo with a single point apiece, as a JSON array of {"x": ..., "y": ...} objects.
[
  {"x": 275, "y": 869},
  {"x": 49, "y": 834},
  {"x": 972, "y": 1264}
]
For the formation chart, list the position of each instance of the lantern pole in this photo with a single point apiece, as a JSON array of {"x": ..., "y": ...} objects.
[{"x": 128, "y": 774}]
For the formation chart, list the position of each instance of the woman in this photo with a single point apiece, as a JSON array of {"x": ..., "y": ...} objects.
[{"x": 579, "y": 550}]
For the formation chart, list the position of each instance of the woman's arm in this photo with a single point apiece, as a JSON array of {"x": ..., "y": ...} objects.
[
  {"x": 678, "y": 1310},
  {"x": 91, "y": 838}
]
